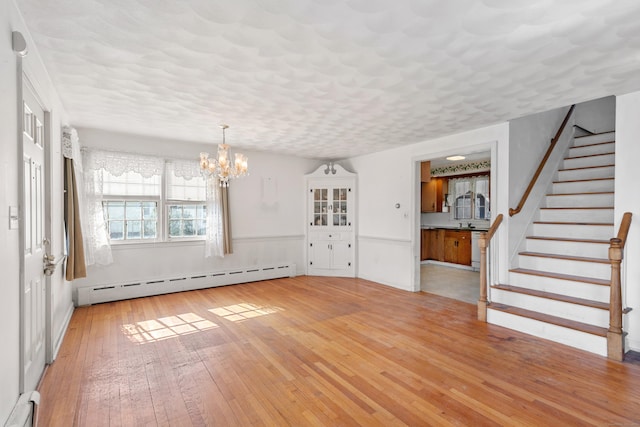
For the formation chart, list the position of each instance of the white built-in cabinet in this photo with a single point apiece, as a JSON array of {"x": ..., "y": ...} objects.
[{"x": 331, "y": 207}]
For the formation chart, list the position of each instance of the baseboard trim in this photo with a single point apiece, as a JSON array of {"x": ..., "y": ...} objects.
[{"x": 62, "y": 332}]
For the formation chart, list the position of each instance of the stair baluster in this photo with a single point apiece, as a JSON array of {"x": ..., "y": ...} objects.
[{"x": 483, "y": 243}]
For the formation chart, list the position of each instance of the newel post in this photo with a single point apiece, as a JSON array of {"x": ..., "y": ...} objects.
[
  {"x": 615, "y": 345},
  {"x": 482, "y": 302}
]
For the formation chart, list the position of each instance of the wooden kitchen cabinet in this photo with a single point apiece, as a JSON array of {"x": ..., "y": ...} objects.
[
  {"x": 457, "y": 247},
  {"x": 425, "y": 171},
  {"x": 425, "y": 237},
  {"x": 430, "y": 192},
  {"x": 433, "y": 194}
]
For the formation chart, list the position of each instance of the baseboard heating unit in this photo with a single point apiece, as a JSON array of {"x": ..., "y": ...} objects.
[{"x": 142, "y": 288}]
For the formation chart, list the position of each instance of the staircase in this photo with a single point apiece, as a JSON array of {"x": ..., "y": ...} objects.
[{"x": 560, "y": 289}]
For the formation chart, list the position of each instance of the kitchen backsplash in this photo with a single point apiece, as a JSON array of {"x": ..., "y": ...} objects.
[{"x": 445, "y": 219}]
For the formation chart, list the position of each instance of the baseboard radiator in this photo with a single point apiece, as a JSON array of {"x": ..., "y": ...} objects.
[
  {"x": 141, "y": 288},
  {"x": 24, "y": 413}
]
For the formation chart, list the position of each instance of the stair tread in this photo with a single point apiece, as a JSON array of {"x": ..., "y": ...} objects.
[
  {"x": 554, "y": 296},
  {"x": 607, "y": 224},
  {"x": 594, "y": 134},
  {"x": 590, "y": 155},
  {"x": 587, "y": 167},
  {"x": 580, "y": 194},
  {"x": 579, "y": 207},
  {"x": 592, "y": 145},
  {"x": 566, "y": 257},
  {"x": 554, "y": 320},
  {"x": 561, "y": 276},
  {"x": 584, "y": 180},
  {"x": 569, "y": 239}
]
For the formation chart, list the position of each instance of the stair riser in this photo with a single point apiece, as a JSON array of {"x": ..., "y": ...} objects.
[
  {"x": 562, "y": 287},
  {"x": 563, "y": 266},
  {"x": 597, "y": 232},
  {"x": 592, "y": 173},
  {"x": 592, "y": 149},
  {"x": 570, "y": 337},
  {"x": 594, "y": 139},
  {"x": 577, "y": 215},
  {"x": 583, "y": 186},
  {"x": 580, "y": 200},
  {"x": 591, "y": 250},
  {"x": 583, "y": 162},
  {"x": 579, "y": 313}
]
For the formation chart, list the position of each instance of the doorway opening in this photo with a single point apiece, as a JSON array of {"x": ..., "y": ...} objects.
[{"x": 454, "y": 209}]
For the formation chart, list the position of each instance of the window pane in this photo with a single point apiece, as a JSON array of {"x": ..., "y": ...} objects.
[
  {"x": 201, "y": 226},
  {"x": 188, "y": 227},
  {"x": 149, "y": 210},
  {"x": 175, "y": 211},
  {"x": 175, "y": 228},
  {"x": 189, "y": 211},
  {"x": 134, "y": 210},
  {"x": 150, "y": 229},
  {"x": 115, "y": 210},
  {"x": 134, "y": 229},
  {"x": 116, "y": 230}
]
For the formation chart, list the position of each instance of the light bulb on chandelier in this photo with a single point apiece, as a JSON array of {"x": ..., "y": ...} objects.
[{"x": 222, "y": 168}]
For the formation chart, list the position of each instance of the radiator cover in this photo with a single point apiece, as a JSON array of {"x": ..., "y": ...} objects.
[{"x": 140, "y": 288}]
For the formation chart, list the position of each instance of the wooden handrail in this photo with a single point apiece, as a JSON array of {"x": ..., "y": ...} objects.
[
  {"x": 624, "y": 228},
  {"x": 483, "y": 242},
  {"x": 555, "y": 139},
  {"x": 615, "y": 335}
]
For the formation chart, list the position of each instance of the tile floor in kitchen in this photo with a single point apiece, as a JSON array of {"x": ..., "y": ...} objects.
[{"x": 463, "y": 285}]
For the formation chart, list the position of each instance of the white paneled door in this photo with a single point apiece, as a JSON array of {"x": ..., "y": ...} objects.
[{"x": 33, "y": 308}]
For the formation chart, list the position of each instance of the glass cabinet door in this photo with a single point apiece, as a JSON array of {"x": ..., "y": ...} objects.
[
  {"x": 340, "y": 207},
  {"x": 320, "y": 206}
]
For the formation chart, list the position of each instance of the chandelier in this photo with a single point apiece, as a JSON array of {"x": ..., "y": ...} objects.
[{"x": 222, "y": 167}]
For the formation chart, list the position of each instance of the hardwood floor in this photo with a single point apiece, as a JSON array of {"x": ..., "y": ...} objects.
[{"x": 321, "y": 351}]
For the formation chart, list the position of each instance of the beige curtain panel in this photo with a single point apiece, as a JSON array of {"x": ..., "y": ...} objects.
[
  {"x": 76, "y": 266},
  {"x": 226, "y": 221}
]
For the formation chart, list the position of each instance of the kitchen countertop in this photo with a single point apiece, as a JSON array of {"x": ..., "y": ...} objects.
[{"x": 444, "y": 227}]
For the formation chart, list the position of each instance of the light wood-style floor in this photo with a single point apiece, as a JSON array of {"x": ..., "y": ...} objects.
[{"x": 325, "y": 352}]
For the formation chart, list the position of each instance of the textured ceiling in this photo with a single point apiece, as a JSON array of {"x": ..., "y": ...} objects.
[{"x": 329, "y": 78}]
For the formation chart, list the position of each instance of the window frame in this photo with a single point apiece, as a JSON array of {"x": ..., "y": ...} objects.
[
  {"x": 125, "y": 199},
  {"x": 472, "y": 195},
  {"x": 163, "y": 204}
]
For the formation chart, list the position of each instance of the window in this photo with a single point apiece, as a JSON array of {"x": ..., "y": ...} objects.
[
  {"x": 131, "y": 220},
  {"x": 186, "y": 207},
  {"x": 471, "y": 197},
  {"x": 130, "y": 206}
]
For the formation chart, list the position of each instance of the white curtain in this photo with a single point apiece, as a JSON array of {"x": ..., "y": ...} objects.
[
  {"x": 96, "y": 162},
  {"x": 214, "y": 244}
]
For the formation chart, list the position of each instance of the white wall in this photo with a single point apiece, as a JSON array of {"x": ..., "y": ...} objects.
[
  {"x": 388, "y": 238},
  {"x": 61, "y": 303},
  {"x": 529, "y": 138},
  {"x": 597, "y": 116},
  {"x": 265, "y": 229},
  {"x": 627, "y": 199}
]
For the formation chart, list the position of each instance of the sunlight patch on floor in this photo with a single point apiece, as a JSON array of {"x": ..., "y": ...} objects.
[
  {"x": 243, "y": 311},
  {"x": 163, "y": 328}
]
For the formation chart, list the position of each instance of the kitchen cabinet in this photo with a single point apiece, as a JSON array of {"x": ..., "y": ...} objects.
[
  {"x": 425, "y": 171},
  {"x": 330, "y": 222},
  {"x": 432, "y": 244},
  {"x": 433, "y": 194},
  {"x": 457, "y": 247},
  {"x": 425, "y": 236}
]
